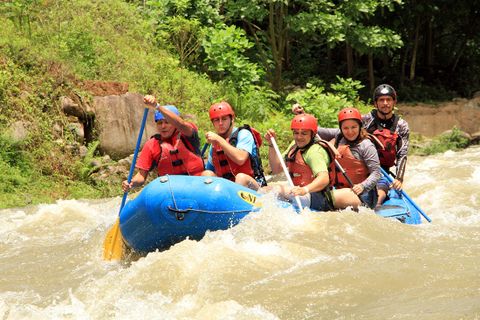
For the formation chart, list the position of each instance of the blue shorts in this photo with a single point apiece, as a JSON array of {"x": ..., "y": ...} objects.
[
  {"x": 383, "y": 184},
  {"x": 369, "y": 198},
  {"x": 321, "y": 201}
]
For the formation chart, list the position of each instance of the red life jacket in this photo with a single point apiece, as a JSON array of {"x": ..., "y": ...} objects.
[
  {"x": 178, "y": 157},
  {"x": 227, "y": 168},
  {"x": 388, "y": 154},
  {"x": 355, "y": 169},
  {"x": 300, "y": 172},
  {"x": 388, "y": 139}
]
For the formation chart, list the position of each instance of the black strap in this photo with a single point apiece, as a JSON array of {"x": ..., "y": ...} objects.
[
  {"x": 255, "y": 162},
  {"x": 377, "y": 122}
]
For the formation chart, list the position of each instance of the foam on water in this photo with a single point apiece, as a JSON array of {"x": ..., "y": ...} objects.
[{"x": 275, "y": 264}]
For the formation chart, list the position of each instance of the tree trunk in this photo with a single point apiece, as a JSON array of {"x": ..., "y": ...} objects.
[
  {"x": 277, "y": 36},
  {"x": 403, "y": 66},
  {"x": 415, "y": 49},
  {"x": 429, "y": 46},
  {"x": 264, "y": 56}
]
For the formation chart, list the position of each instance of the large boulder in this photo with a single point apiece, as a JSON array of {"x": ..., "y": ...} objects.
[
  {"x": 118, "y": 119},
  {"x": 433, "y": 120}
]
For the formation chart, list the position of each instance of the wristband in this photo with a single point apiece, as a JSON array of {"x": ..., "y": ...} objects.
[{"x": 306, "y": 189}]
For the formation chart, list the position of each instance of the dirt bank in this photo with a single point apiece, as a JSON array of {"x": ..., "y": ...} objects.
[{"x": 430, "y": 120}]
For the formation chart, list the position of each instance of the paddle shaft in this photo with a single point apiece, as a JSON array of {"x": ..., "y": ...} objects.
[
  {"x": 285, "y": 170},
  {"x": 135, "y": 154},
  {"x": 344, "y": 173},
  {"x": 350, "y": 182},
  {"x": 205, "y": 146},
  {"x": 390, "y": 180},
  {"x": 113, "y": 244}
]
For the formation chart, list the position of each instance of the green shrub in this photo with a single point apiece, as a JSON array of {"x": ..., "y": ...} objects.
[
  {"x": 225, "y": 50},
  {"x": 12, "y": 154},
  {"x": 453, "y": 140},
  {"x": 84, "y": 168},
  {"x": 324, "y": 106},
  {"x": 347, "y": 89}
]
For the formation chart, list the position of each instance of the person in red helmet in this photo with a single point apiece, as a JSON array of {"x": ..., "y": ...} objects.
[
  {"x": 391, "y": 131},
  {"x": 175, "y": 149},
  {"x": 234, "y": 154},
  {"x": 307, "y": 160},
  {"x": 359, "y": 159}
]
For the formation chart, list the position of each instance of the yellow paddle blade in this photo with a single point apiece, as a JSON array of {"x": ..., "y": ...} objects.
[{"x": 113, "y": 245}]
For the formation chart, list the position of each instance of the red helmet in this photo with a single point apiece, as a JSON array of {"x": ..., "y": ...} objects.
[
  {"x": 221, "y": 109},
  {"x": 349, "y": 113},
  {"x": 304, "y": 121}
]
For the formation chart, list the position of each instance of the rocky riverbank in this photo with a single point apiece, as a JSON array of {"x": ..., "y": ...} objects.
[{"x": 111, "y": 118}]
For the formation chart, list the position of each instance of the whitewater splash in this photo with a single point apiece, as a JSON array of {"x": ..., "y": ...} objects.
[{"x": 276, "y": 264}]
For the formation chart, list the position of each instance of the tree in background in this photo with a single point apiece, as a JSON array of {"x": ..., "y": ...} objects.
[{"x": 415, "y": 45}]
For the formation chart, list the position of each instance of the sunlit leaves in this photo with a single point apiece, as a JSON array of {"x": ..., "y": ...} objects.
[{"x": 225, "y": 48}]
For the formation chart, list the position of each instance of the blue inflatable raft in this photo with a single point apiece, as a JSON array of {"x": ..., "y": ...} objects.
[{"x": 173, "y": 208}]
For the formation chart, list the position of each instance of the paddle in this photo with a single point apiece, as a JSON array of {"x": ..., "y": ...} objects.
[
  {"x": 385, "y": 211},
  {"x": 113, "y": 243},
  {"x": 350, "y": 182},
  {"x": 285, "y": 170},
  {"x": 405, "y": 195},
  {"x": 205, "y": 146}
]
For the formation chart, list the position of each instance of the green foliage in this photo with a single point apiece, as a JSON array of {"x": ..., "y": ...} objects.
[
  {"x": 73, "y": 40},
  {"x": 326, "y": 105},
  {"x": 253, "y": 102},
  {"x": 278, "y": 122},
  {"x": 205, "y": 11},
  {"x": 80, "y": 46},
  {"x": 373, "y": 39},
  {"x": 85, "y": 167},
  {"x": 12, "y": 154},
  {"x": 186, "y": 37},
  {"x": 347, "y": 88},
  {"x": 47, "y": 47},
  {"x": 347, "y": 21},
  {"x": 225, "y": 50},
  {"x": 454, "y": 140},
  {"x": 15, "y": 165},
  {"x": 20, "y": 12}
]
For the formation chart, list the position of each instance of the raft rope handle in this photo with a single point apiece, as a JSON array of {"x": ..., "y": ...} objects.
[
  {"x": 171, "y": 192},
  {"x": 207, "y": 211},
  {"x": 180, "y": 212}
]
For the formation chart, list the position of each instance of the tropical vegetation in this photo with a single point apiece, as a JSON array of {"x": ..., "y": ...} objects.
[{"x": 261, "y": 55}]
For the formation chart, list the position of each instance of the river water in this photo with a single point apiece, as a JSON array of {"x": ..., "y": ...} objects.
[{"x": 274, "y": 265}]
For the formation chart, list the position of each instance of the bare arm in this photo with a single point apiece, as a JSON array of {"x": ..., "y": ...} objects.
[
  {"x": 137, "y": 180},
  {"x": 181, "y": 125},
  {"x": 272, "y": 155},
  {"x": 320, "y": 182},
  {"x": 238, "y": 156}
]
